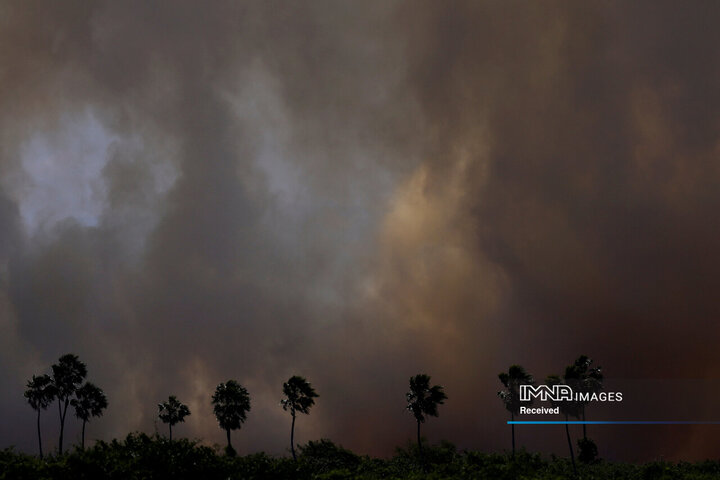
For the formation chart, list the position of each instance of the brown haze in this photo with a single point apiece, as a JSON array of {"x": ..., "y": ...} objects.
[{"x": 357, "y": 192}]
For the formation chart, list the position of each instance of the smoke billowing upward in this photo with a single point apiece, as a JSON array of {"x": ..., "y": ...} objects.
[{"x": 357, "y": 193}]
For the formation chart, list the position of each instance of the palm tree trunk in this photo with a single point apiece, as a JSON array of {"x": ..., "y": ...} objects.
[
  {"x": 418, "y": 438},
  {"x": 39, "y": 437},
  {"x": 62, "y": 424},
  {"x": 82, "y": 441},
  {"x": 170, "y": 426},
  {"x": 420, "y": 450},
  {"x": 292, "y": 437},
  {"x": 584, "y": 425},
  {"x": 572, "y": 454},
  {"x": 229, "y": 451},
  {"x": 512, "y": 419}
]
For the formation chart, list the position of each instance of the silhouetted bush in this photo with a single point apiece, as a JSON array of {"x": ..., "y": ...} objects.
[
  {"x": 587, "y": 450},
  {"x": 323, "y": 456}
]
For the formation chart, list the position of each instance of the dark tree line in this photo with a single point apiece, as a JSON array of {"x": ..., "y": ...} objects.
[
  {"x": 231, "y": 401},
  {"x": 231, "y": 404}
]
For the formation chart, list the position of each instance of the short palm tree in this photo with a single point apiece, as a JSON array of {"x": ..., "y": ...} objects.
[
  {"x": 299, "y": 397},
  {"x": 423, "y": 401},
  {"x": 231, "y": 403},
  {"x": 172, "y": 412},
  {"x": 89, "y": 401},
  {"x": 40, "y": 394},
  {"x": 510, "y": 397}
]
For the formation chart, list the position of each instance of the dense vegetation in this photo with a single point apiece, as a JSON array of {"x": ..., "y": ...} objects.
[{"x": 140, "y": 456}]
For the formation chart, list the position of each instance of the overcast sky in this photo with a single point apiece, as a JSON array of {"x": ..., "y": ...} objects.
[{"x": 357, "y": 192}]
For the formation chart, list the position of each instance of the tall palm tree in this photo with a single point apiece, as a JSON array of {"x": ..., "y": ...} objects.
[
  {"x": 299, "y": 397},
  {"x": 231, "y": 403},
  {"x": 589, "y": 380},
  {"x": 40, "y": 394},
  {"x": 172, "y": 412},
  {"x": 90, "y": 401},
  {"x": 68, "y": 375},
  {"x": 510, "y": 397},
  {"x": 567, "y": 407},
  {"x": 423, "y": 401}
]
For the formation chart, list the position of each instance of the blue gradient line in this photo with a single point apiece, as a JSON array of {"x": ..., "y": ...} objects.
[{"x": 611, "y": 422}]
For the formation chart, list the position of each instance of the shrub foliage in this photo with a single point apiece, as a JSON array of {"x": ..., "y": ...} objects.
[{"x": 143, "y": 457}]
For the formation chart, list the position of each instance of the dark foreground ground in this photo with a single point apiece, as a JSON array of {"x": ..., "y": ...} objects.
[{"x": 143, "y": 457}]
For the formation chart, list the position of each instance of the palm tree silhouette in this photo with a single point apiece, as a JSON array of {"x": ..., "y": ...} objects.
[
  {"x": 90, "y": 401},
  {"x": 510, "y": 397},
  {"x": 172, "y": 412},
  {"x": 68, "y": 375},
  {"x": 299, "y": 397},
  {"x": 40, "y": 394},
  {"x": 589, "y": 380},
  {"x": 231, "y": 403},
  {"x": 423, "y": 401},
  {"x": 567, "y": 407}
]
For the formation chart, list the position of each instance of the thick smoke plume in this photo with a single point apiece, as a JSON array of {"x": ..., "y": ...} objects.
[{"x": 356, "y": 193}]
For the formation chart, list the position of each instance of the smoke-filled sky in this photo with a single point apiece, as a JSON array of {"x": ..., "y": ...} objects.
[{"x": 357, "y": 192}]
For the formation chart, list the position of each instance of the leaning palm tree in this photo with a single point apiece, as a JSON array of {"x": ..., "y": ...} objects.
[
  {"x": 567, "y": 407},
  {"x": 299, "y": 397},
  {"x": 423, "y": 401},
  {"x": 40, "y": 394},
  {"x": 172, "y": 412},
  {"x": 510, "y": 397},
  {"x": 90, "y": 402},
  {"x": 231, "y": 403},
  {"x": 68, "y": 375}
]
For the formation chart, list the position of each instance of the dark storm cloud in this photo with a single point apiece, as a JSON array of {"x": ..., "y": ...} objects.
[{"x": 356, "y": 194}]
